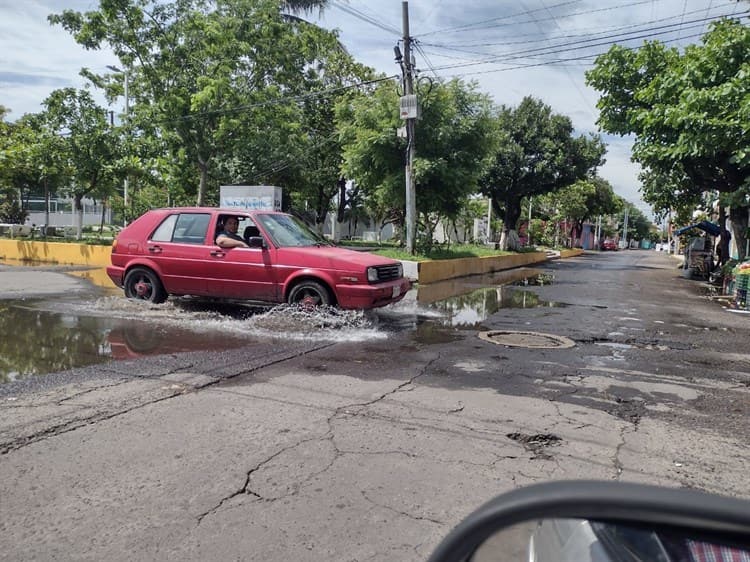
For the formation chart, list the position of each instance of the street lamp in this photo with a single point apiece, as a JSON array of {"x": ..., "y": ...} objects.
[{"x": 127, "y": 111}]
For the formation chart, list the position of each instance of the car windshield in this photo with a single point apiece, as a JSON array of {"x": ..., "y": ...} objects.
[{"x": 286, "y": 231}]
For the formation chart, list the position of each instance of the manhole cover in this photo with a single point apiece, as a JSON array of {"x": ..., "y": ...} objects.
[{"x": 527, "y": 339}]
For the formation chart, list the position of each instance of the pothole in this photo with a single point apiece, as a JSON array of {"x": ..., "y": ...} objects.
[
  {"x": 630, "y": 410},
  {"x": 534, "y": 340},
  {"x": 536, "y": 443},
  {"x": 541, "y": 279}
]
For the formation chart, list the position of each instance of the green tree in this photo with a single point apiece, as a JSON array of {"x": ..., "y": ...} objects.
[
  {"x": 688, "y": 112},
  {"x": 34, "y": 157},
  {"x": 210, "y": 76},
  {"x": 639, "y": 226},
  {"x": 538, "y": 154},
  {"x": 305, "y": 152},
  {"x": 454, "y": 137},
  {"x": 90, "y": 145},
  {"x": 582, "y": 201}
]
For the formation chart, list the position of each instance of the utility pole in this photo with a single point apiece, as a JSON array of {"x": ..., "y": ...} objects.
[
  {"x": 489, "y": 220},
  {"x": 411, "y": 114},
  {"x": 127, "y": 123},
  {"x": 126, "y": 76},
  {"x": 625, "y": 228},
  {"x": 528, "y": 226}
]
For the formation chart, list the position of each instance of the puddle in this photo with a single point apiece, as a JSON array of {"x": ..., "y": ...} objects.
[
  {"x": 477, "y": 306},
  {"x": 44, "y": 335},
  {"x": 46, "y": 341},
  {"x": 615, "y": 345},
  {"x": 56, "y": 336}
]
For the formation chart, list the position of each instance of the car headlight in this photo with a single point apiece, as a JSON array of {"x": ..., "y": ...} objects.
[
  {"x": 372, "y": 275},
  {"x": 400, "y": 270}
]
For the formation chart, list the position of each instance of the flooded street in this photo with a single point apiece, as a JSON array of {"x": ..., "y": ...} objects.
[{"x": 52, "y": 334}]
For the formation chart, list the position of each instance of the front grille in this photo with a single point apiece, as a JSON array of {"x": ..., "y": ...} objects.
[{"x": 388, "y": 272}]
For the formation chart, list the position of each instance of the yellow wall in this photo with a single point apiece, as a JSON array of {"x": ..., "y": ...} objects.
[
  {"x": 438, "y": 270},
  {"x": 570, "y": 253},
  {"x": 55, "y": 252}
]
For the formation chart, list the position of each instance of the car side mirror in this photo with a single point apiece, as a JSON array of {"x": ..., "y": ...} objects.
[
  {"x": 256, "y": 242},
  {"x": 587, "y": 521}
]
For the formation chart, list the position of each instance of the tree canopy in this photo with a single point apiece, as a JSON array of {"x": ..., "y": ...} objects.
[
  {"x": 689, "y": 113},
  {"x": 454, "y": 136},
  {"x": 212, "y": 77},
  {"x": 536, "y": 154}
]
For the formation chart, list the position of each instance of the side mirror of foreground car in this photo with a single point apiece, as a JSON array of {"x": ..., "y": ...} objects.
[{"x": 592, "y": 521}]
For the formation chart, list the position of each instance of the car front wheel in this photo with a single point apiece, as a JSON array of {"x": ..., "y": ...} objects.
[
  {"x": 144, "y": 284},
  {"x": 309, "y": 294}
]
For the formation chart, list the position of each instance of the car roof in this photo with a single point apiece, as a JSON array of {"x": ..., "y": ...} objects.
[{"x": 222, "y": 210}]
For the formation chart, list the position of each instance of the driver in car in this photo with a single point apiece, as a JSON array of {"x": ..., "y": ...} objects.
[{"x": 228, "y": 238}]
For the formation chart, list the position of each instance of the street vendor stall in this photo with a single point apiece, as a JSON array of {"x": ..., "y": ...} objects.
[{"x": 699, "y": 254}]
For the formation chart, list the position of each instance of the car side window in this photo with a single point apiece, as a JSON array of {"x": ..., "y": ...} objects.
[
  {"x": 185, "y": 228},
  {"x": 191, "y": 228},
  {"x": 164, "y": 232}
]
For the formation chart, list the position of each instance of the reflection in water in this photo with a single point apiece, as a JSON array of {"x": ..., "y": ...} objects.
[
  {"x": 97, "y": 276},
  {"x": 67, "y": 334},
  {"x": 44, "y": 341},
  {"x": 475, "y": 307}
]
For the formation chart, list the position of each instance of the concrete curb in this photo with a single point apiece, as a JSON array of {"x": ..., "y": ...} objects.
[
  {"x": 55, "y": 252},
  {"x": 440, "y": 270}
]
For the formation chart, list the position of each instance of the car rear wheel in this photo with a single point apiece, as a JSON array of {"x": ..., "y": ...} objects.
[
  {"x": 309, "y": 294},
  {"x": 144, "y": 284}
]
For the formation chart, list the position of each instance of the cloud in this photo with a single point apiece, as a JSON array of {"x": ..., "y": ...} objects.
[
  {"x": 37, "y": 57},
  {"x": 22, "y": 79}
]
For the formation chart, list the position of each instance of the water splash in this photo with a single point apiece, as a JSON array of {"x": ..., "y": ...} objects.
[{"x": 293, "y": 322}]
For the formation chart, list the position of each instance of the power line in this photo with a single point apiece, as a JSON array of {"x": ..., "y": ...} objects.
[
  {"x": 418, "y": 47},
  {"x": 280, "y": 165},
  {"x": 553, "y": 62},
  {"x": 601, "y": 32},
  {"x": 364, "y": 17},
  {"x": 482, "y": 22},
  {"x": 567, "y": 70},
  {"x": 486, "y": 25},
  {"x": 299, "y": 98},
  {"x": 583, "y": 43},
  {"x": 559, "y": 48}
]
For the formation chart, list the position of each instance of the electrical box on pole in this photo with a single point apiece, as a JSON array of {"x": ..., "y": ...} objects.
[{"x": 408, "y": 107}]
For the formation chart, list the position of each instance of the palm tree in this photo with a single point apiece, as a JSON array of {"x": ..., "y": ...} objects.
[{"x": 304, "y": 6}]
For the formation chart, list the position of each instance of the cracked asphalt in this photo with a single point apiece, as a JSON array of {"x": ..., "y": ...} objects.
[{"x": 354, "y": 452}]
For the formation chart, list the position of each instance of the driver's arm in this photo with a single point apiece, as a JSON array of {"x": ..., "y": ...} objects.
[{"x": 225, "y": 242}]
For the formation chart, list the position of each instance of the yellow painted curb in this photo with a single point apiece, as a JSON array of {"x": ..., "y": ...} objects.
[
  {"x": 439, "y": 270},
  {"x": 55, "y": 252},
  {"x": 571, "y": 253}
]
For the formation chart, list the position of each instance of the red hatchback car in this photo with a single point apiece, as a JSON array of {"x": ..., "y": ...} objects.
[{"x": 174, "y": 252}]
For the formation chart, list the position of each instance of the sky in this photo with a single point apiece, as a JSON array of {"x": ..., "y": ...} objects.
[{"x": 512, "y": 49}]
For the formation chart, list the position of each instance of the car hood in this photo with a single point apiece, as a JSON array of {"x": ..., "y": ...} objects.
[{"x": 339, "y": 258}]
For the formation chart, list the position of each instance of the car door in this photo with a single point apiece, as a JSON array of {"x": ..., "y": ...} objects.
[
  {"x": 243, "y": 273},
  {"x": 179, "y": 248}
]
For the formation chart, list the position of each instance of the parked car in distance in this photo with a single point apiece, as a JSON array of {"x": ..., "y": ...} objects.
[
  {"x": 609, "y": 245},
  {"x": 174, "y": 252}
]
